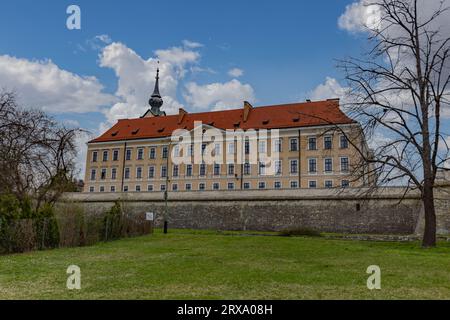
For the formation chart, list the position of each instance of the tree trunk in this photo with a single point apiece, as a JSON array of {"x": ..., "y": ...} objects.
[{"x": 429, "y": 236}]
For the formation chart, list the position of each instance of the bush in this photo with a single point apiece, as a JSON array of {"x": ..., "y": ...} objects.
[
  {"x": 112, "y": 223},
  {"x": 46, "y": 228},
  {"x": 299, "y": 231}
]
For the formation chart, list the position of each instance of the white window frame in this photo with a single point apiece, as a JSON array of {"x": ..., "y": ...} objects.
[
  {"x": 309, "y": 184},
  {"x": 309, "y": 166},
  {"x": 325, "y": 165}
]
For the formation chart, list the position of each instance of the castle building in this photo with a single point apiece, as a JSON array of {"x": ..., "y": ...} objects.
[{"x": 315, "y": 147}]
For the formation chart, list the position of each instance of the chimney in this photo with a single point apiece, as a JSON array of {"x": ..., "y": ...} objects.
[
  {"x": 247, "y": 108},
  {"x": 181, "y": 114}
]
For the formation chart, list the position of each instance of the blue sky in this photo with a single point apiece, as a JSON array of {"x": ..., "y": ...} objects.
[{"x": 285, "y": 48}]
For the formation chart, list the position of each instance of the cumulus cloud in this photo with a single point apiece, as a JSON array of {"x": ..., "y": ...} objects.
[
  {"x": 330, "y": 89},
  {"x": 136, "y": 78},
  {"x": 359, "y": 16},
  {"x": 236, "y": 72},
  {"x": 218, "y": 96},
  {"x": 42, "y": 84}
]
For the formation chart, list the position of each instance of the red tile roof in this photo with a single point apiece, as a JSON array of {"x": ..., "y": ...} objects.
[{"x": 269, "y": 117}]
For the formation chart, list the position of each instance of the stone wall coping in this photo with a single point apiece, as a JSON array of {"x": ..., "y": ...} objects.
[{"x": 251, "y": 195}]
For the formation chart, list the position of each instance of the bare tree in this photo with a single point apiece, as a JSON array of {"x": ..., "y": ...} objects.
[
  {"x": 399, "y": 91},
  {"x": 36, "y": 153}
]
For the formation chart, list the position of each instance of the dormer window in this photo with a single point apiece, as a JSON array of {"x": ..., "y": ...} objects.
[
  {"x": 114, "y": 133},
  {"x": 135, "y": 131},
  {"x": 160, "y": 130},
  {"x": 266, "y": 122}
]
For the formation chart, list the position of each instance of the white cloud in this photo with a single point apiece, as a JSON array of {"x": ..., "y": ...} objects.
[
  {"x": 136, "y": 78},
  {"x": 191, "y": 44},
  {"x": 218, "y": 96},
  {"x": 358, "y": 16},
  {"x": 42, "y": 84},
  {"x": 236, "y": 72},
  {"x": 330, "y": 89}
]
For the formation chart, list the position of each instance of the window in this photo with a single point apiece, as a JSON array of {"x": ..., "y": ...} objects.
[
  {"x": 151, "y": 172},
  {"x": 174, "y": 187},
  {"x": 344, "y": 164},
  {"x": 345, "y": 183},
  {"x": 278, "y": 167},
  {"x": 113, "y": 173},
  {"x": 94, "y": 156},
  {"x": 262, "y": 148},
  {"x": 150, "y": 188},
  {"x": 93, "y": 174},
  {"x": 312, "y": 143},
  {"x": 189, "y": 170},
  {"x": 139, "y": 173},
  {"x": 277, "y": 184},
  {"x": 247, "y": 146},
  {"x": 188, "y": 187},
  {"x": 138, "y": 188},
  {"x": 230, "y": 186},
  {"x": 328, "y": 142},
  {"x": 262, "y": 168},
  {"x": 231, "y": 169},
  {"x": 278, "y": 143},
  {"x": 176, "y": 151},
  {"x": 217, "y": 149},
  {"x": 217, "y": 169},
  {"x": 163, "y": 172},
  {"x": 165, "y": 152},
  {"x": 294, "y": 184},
  {"x": 113, "y": 189},
  {"x": 191, "y": 150},
  {"x": 247, "y": 169},
  {"x": 127, "y": 173},
  {"x": 312, "y": 184},
  {"x": 140, "y": 154},
  {"x": 105, "y": 156},
  {"x": 128, "y": 155},
  {"x": 103, "y": 174},
  {"x": 294, "y": 166},
  {"x": 262, "y": 185},
  {"x": 201, "y": 186},
  {"x": 246, "y": 185},
  {"x": 152, "y": 153},
  {"x": 203, "y": 148},
  {"x": 125, "y": 188},
  {"x": 328, "y": 184},
  {"x": 175, "y": 170},
  {"x": 312, "y": 165},
  {"x": 162, "y": 187},
  {"x": 102, "y": 188},
  {"x": 231, "y": 148},
  {"x": 116, "y": 155},
  {"x": 216, "y": 186},
  {"x": 202, "y": 170},
  {"x": 294, "y": 144},
  {"x": 91, "y": 189},
  {"x": 328, "y": 165},
  {"x": 343, "y": 142}
]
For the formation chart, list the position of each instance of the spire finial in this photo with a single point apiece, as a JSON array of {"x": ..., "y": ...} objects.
[{"x": 156, "y": 101}]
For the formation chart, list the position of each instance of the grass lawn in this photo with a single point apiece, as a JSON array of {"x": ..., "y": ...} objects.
[{"x": 207, "y": 265}]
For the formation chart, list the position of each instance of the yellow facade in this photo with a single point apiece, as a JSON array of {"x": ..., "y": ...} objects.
[{"x": 111, "y": 168}]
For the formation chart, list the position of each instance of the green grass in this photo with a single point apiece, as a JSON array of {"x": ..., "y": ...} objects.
[{"x": 211, "y": 265}]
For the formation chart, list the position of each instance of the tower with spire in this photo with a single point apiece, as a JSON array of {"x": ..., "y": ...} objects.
[{"x": 156, "y": 101}]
